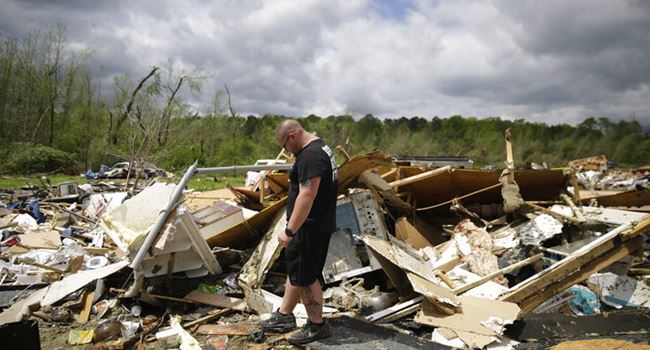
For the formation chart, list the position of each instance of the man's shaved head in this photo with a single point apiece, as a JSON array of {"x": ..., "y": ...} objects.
[{"x": 287, "y": 127}]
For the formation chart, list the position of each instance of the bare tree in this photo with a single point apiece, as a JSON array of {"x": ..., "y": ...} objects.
[{"x": 113, "y": 130}]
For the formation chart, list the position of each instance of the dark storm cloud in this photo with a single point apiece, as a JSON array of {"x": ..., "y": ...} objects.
[{"x": 553, "y": 61}]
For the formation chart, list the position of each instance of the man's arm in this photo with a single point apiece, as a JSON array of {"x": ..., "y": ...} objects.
[{"x": 304, "y": 202}]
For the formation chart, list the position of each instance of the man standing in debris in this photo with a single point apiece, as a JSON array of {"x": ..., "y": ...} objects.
[{"x": 311, "y": 220}]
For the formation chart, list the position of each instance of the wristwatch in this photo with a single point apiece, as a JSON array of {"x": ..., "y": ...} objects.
[{"x": 289, "y": 233}]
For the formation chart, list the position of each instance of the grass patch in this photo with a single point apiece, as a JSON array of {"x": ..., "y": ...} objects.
[
  {"x": 215, "y": 182},
  {"x": 15, "y": 182},
  {"x": 197, "y": 182}
]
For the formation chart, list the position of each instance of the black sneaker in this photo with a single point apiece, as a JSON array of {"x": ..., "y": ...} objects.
[
  {"x": 278, "y": 323},
  {"x": 310, "y": 332}
]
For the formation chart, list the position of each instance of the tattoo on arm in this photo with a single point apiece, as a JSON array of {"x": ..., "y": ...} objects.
[{"x": 307, "y": 183}]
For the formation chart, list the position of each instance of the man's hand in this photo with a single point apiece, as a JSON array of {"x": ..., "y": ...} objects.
[{"x": 284, "y": 239}]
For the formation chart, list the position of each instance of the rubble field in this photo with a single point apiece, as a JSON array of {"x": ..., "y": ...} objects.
[{"x": 424, "y": 256}]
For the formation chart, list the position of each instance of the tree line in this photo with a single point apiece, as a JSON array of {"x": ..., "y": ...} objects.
[{"x": 53, "y": 112}]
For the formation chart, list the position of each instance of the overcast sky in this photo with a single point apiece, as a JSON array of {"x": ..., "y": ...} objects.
[{"x": 543, "y": 61}]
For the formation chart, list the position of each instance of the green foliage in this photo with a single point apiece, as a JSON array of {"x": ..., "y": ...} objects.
[
  {"x": 29, "y": 158},
  {"x": 48, "y": 96}
]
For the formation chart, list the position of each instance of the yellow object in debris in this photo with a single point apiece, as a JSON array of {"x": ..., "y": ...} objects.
[{"x": 77, "y": 337}]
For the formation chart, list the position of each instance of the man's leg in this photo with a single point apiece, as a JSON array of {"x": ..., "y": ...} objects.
[
  {"x": 316, "y": 328},
  {"x": 290, "y": 298},
  {"x": 282, "y": 320},
  {"x": 312, "y": 298}
]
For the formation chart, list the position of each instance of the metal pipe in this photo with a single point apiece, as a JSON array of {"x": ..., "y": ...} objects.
[
  {"x": 162, "y": 217},
  {"x": 242, "y": 168}
]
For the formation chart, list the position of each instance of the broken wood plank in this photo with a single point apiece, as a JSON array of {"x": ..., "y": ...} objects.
[
  {"x": 409, "y": 234},
  {"x": 209, "y": 317},
  {"x": 343, "y": 152},
  {"x": 352, "y": 168},
  {"x": 553, "y": 213},
  {"x": 389, "y": 174},
  {"x": 84, "y": 315},
  {"x": 500, "y": 272},
  {"x": 216, "y": 300},
  {"x": 420, "y": 177},
  {"x": 510, "y": 160},
  {"x": 576, "y": 211},
  {"x": 376, "y": 184}
]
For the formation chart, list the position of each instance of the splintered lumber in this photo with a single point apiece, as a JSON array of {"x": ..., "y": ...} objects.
[
  {"x": 553, "y": 213},
  {"x": 420, "y": 177},
  {"x": 209, "y": 317},
  {"x": 352, "y": 168},
  {"x": 494, "y": 274},
  {"x": 389, "y": 174},
  {"x": 575, "y": 209},
  {"x": 577, "y": 267},
  {"x": 375, "y": 183},
  {"x": 87, "y": 307}
]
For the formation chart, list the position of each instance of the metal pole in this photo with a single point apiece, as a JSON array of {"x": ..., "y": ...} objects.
[
  {"x": 162, "y": 217},
  {"x": 242, "y": 168}
]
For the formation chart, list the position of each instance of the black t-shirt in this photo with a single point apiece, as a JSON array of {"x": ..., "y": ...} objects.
[{"x": 316, "y": 159}]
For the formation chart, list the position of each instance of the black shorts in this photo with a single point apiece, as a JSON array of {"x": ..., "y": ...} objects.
[{"x": 305, "y": 255}]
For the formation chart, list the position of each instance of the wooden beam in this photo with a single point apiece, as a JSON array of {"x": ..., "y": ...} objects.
[
  {"x": 86, "y": 308},
  {"x": 420, "y": 177},
  {"x": 553, "y": 213},
  {"x": 389, "y": 173},
  {"x": 494, "y": 274},
  {"x": 573, "y": 207},
  {"x": 510, "y": 160},
  {"x": 210, "y": 316}
]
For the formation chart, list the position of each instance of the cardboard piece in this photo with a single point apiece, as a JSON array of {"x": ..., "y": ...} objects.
[
  {"x": 474, "y": 312},
  {"x": 41, "y": 239},
  {"x": 441, "y": 298},
  {"x": 409, "y": 234}
]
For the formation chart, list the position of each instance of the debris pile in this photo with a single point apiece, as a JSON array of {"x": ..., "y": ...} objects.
[{"x": 458, "y": 257}]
